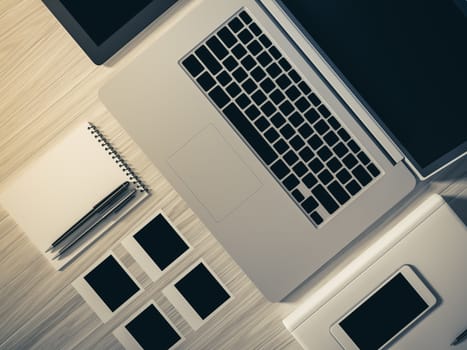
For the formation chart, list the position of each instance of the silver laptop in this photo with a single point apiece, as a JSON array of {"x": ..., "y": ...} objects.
[{"x": 290, "y": 127}]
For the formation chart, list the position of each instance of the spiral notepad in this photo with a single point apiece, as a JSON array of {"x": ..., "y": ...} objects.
[{"x": 52, "y": 192}]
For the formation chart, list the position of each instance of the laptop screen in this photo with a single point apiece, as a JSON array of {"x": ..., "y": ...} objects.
[{"x": 406, "y": 60}]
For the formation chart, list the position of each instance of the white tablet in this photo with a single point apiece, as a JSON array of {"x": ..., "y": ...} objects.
[{"x": 386, "y": 313}]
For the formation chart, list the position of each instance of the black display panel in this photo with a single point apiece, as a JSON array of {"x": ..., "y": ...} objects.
[
  {"x": 152, "y": 331},
  {"x": 202, "y": 291},
  {"x": 110, "y": 281},
  {"x": 100, "y": 19},
  {"x": 406, "y": 60},
  {"x": 384, "y": 314},
  {"x": 161, "y": 242},
  {"x": 102, "y": 27}
]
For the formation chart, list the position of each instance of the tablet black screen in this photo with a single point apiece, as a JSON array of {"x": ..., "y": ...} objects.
[{"x": 101, "y": 18}]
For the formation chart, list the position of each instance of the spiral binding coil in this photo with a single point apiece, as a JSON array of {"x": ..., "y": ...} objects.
[{"x": 117, "y": 158}]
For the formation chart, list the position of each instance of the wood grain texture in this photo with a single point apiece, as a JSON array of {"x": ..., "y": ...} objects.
[{"x": 46, "y": 84}]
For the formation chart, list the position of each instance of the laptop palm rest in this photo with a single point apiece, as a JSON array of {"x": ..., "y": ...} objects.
[{"x": 207, "y": 164}]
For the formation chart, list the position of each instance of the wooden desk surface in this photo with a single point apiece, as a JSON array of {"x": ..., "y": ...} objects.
[{"x": 46, "y": 84}]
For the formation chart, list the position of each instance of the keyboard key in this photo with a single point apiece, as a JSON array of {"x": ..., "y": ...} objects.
[
  {"x": 334, "y": 164},
  {"x": 268, "y": 108},
  {"x": 252, "y": 112},
  {"x": 239, "y": 74},
  {"x": 219, "y": 97},
  {"x": 283, "y": 81},
  {"x": 317, "y": 219},
  {"x": 302, "y": 104},
  {"x": 258, "y": 74},
  {"x": 309, "y": 180},
  {"x": 353, "y": 146},
  {"x": 373, "y": 170},
  {"x": 230, "y": 63},
  {"x": 249, "y": 86},
  {"x": 265, "y": 41},
  {"x": 315, "y": 165},
  {"x": 290, "y": 157},
  {"x": 293, "y": 93},
  {"x": 312, "y": 116},
  {"x": 245, "y": 17},
  {"x": 206, "y": 81},
  {"x": 280, "y": 169},
  {"x": 245, "y": 36},
  {"x": 235, "y": 25},
  {"x": 340, "y": 149},
  {"x": 305, "y": 130},
  {"x": 304, "y": 87},
  {"x": 258, "y": 97},
  {"x": 284, "y": 64},
  {"x": 324, "y": 153},
  {"x": 193, "y": 65},
  {"x": 296, "y": 142},
  {"x": 363, "y": 158},
  {"x": 300, "y": 169},
  {"x": 294, "y": 76},
  {"x": 338, "y": 192},
  {"x": 310, "y": 204},
  {"x": 224, "y": 78},
  {"x": 267, "y": 85},
  {"x": 343, "y": 176},
  {"x": 325, "y": 176},
  {"x": 239, "y": 51},
  {"x": 334, "y": 123},
  {"x": 208, "y": 59},
  {"x": 277, "y": 96},
  {"x": 353, "y": 187},
  {"x": 350, "y": 161},
  {"x": 306, "y": 154},
  {"x": 324, "y": 111},
  {"x": 278, "y": 120},
  {"x": 296, "y": 119},
  {"x": 286, "y": 108},
  {"x": 314, "y": 99},
  {"x": 275, "y": 52},
  {"x": 243, "y": 101},
  {"x": 325, "y": 199},
  {"x": 343, "y": 134},
  {"x": 315, "y": 142},
  {"x": 227, "y": 37},
  {"x": 362, "y": 175},
  {"x": 248, "y": 62},
  {"x": 321, "y": 127},
  {"x": 287, "y": 131},
  {"x": 331, "y": 138},
  {"x": 290, "y": 182},
  {"x": 255, "y": 47},
  {"x": 280, "y": 146},
  {"x": 298, "y": 195},
  {"x": 262, "y": 124},
  {"x": 217, "y": 47},
  {"x": 255, "y": 29},
  {"x": 264, "y": 59},
  {"x": 249, "y": 133},
  {"x": 274, "y": 70},
  {"x": 233, "y": 89},
  {"x": 271, "y": 135}
]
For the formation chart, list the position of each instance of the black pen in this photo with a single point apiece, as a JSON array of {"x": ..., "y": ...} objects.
[
  {"x": 99, "y": 207},
  {"x": 124, "y": 201},
  {"x": 460, "y": 338}
]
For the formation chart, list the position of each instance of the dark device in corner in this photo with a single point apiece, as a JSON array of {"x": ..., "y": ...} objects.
[{"x": 102, "y": 27}]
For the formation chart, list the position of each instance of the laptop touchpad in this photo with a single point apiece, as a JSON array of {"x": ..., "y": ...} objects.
[{"x": 215, "y": 174}]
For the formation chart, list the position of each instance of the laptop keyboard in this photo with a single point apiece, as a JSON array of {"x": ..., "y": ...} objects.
[{"x": 292, "y": 131}]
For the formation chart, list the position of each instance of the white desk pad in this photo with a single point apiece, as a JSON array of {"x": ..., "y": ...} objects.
[{"x": 433, "y": 240}]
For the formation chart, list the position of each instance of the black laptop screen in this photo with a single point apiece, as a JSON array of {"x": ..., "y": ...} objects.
[{"x": 406, "y": 59}]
